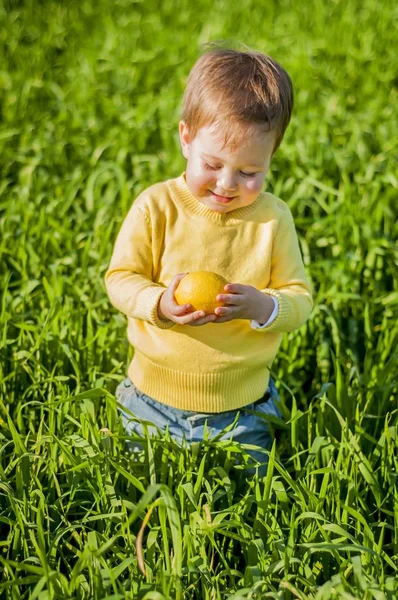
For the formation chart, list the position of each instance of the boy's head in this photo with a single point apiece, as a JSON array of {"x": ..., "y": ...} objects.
[{"x": 236, "y": 108}]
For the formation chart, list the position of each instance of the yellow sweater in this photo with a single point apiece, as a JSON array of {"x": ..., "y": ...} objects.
[{"x": 214, "y": 367}]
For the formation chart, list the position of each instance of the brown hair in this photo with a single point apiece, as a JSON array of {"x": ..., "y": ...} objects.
[{"x": 239, "y": 89}]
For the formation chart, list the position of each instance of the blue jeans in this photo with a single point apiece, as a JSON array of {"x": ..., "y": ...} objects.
[{"x": 251, "y": 426}]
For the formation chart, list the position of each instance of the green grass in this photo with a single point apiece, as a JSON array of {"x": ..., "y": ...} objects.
[{"x": 90, "y": 96}]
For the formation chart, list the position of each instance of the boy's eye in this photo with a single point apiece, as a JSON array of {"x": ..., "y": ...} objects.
[{"x": 215, "y": 169}]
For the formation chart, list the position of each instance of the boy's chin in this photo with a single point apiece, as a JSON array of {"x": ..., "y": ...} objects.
[{"x": 213, "y": 203}]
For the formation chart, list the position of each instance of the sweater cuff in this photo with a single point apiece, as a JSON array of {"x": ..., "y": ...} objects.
[
  {"x": 150, "y": 299},
  {"x": 282, "y": 317}
]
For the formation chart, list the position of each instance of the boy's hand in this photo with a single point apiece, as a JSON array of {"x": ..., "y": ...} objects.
[
  {"x": 168, "y": 309},
  {"x": 244, "y": 302}
]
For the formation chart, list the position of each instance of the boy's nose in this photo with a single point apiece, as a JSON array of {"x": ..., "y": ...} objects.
[{"x": 227, "y": 183}]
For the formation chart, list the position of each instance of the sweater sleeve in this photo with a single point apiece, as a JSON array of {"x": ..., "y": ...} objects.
[
  {"x": 288, "y": 280},
  {"x": 128, "y": 279}
]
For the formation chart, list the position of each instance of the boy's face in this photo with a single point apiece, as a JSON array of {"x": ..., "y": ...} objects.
[{"x": 227, "y": 179}]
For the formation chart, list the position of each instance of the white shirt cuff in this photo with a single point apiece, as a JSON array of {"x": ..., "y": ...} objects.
[{"x": 274, "y": 314}]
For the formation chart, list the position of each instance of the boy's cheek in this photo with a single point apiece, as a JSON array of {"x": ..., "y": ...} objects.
[
  {"x": 255, "y": 185},
  {"x": 200, "y": 180}
]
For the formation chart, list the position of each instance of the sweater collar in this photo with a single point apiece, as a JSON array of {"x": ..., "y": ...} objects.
[{"x": 184, "y": 193}]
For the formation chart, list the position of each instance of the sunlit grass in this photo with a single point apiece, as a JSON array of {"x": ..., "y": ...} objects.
[{"x": 89, "y": 104}]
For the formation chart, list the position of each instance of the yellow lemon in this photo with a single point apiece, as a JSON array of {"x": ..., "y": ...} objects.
[{"x": 200, "y": 289}]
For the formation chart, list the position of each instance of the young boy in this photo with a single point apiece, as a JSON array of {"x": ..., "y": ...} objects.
[{"x": 189, "y": 367}]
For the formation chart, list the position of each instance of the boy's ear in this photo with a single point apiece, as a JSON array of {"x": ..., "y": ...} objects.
[{"x": 184, "y": 138}]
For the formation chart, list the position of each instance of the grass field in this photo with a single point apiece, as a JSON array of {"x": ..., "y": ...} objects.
[{"x": 89, "y": 104}]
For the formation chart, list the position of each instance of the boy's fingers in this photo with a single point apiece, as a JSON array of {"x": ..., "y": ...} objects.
[
  {"x": 202, "y": 320},
  {"x": 195, "y": 318},
  {"x": 180, "y": 310},
  {"x": 222, "y": 320},
  {"x": 222, "y": 311},
  {"x": 235, "y": 288},
  {"x": 190, "y": 317},
  {"x": 231, "y": 299}
]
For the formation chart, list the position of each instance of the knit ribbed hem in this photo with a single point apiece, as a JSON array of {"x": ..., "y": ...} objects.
[{"x": 198, "y": 392}]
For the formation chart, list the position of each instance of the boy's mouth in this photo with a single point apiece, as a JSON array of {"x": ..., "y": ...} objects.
[{"x": 222, "y": 199}]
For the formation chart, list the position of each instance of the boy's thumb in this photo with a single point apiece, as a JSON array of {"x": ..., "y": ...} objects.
[{"x": 176, "y": 280}]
